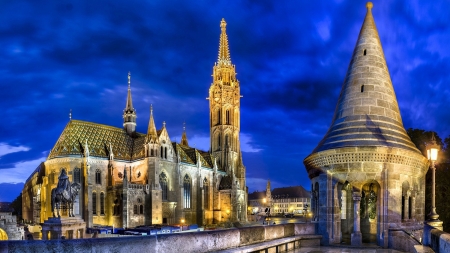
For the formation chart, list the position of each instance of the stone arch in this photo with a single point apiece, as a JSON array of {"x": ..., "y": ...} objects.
[
  {"x": 370, "y": 211},
  {"x": 3, "y": 235},
  {"x": 347, "y": 212},
  {"x": 406, "y": 205}
]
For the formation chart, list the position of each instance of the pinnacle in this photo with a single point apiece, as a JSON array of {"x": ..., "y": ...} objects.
[{"x": 224, "y": 51}]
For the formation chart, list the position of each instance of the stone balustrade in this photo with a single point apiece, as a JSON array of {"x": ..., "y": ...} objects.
[{"x": 204, "y": 241}]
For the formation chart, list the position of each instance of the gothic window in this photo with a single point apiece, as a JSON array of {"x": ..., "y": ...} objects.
[
  {"x": 151, "y": 152},
  {"x": 98, "y": 177},
  {"x": 218, "y": 116},
  {"x": 218, "y": 141},
  {"x": 102, "y": 203},
  {"x": 94, "y": 203},
  {"x": 135, "y": 209},
  {"x": 76, "y": 175},
  {"x": 228, "y": 117},
  {"x": 226, "y": 140},
  {"x": 187, "y": 191},
  {"x": 206, "y": 193},
  {"x": 165, "y": 152},
  {"x": 141, "y": 209},
  {"x": 162, "y": 152},
  {"x": 163, "y": 183}
]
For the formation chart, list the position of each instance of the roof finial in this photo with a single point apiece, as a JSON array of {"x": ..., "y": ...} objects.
[
  {"x": 70, "y": 115},
  {"x": 223, "y": 24},
  {"x": 151, "y": 109},
  {"x": 129, "y": 79},
  {"x": 164, "y": 124},
  {"x": 369, "y": 5},
  {"x": 184, "y": 126}
]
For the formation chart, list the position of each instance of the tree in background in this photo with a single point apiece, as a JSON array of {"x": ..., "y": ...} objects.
[
  {"x": 17, "y": 206},
  {"x": 420, "y": 138}
]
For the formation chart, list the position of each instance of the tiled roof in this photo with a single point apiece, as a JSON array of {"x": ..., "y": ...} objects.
[{"x": 290, "y": 192}]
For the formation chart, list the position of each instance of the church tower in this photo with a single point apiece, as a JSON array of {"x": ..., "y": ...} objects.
[
  {"x": 129, "y": 114},
  {"x": 224, "y": 105}
]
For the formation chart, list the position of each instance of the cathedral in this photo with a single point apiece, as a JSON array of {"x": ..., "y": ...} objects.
[{"x": 130, "y": 179}]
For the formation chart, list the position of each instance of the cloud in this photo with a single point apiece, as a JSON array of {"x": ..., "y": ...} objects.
[
  {"x": 20, "y": 171},
  {"x": 7, "y": 149}
]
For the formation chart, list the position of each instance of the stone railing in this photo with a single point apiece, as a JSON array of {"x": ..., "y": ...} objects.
[
  {"x": 436, "y": 239},
  {"x": 282, "y": 237}
]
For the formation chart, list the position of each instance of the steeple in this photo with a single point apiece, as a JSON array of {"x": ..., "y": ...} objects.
[
  {"x": 129, "y": 114},
  {"x": 184, "y": 140},
  {"x": 367, "y": 112},
  {"x": 224, "y": 51},
  {"x": 152, "y": 135}
]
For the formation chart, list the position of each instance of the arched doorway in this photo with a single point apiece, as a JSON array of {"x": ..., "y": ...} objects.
[
  {"x": 3, "y": 235},
  {"x": 370, "y": 211},
  {"x": 346, "y": 207}
]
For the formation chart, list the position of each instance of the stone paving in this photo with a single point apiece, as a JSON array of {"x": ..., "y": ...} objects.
[{"x": 330, "y": 249}]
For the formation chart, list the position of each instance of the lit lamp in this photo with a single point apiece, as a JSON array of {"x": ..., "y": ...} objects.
[{"x": 432, "y": 154}]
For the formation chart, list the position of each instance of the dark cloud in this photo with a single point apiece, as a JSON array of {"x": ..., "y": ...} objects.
[{"x": 291, "y": 58}]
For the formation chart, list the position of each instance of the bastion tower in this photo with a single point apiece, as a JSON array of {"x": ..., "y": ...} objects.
[{"x": 367, "y": 176}]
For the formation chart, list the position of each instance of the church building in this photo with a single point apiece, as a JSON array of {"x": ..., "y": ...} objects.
[
  {"x": 129, "y": 178},
  {"x": 368, "y": 178}
]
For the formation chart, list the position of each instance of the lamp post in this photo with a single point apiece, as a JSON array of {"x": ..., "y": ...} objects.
[{"x": 432, "y": 154}]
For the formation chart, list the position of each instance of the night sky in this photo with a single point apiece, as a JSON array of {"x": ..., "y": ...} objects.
[{"x": 291, "y": 57}]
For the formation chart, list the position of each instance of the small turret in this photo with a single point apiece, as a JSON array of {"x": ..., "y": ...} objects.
[
  {"x": 184, "y": 140},
  {"x": 129, "y": 114}
]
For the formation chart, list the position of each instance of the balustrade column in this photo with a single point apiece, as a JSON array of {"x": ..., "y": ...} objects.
[{"x": 356, "y": 239}]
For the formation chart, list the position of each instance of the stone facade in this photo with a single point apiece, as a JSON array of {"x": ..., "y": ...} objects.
[
  {"x": 367, "y": 176},
  {"x": 130, "y": 179},
  {"x": 9, "y": 230}
]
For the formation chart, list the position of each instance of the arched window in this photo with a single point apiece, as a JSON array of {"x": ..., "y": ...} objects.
[
  {"x": 76, "y": 175},
  {"x": 187, "y": 191},
  {"x": 94, "y": 203},
  {"x": 151, "y": 152},
  {"x": 98, "y": 177},
  {"x": 162, "y": 151},
  {"x": 218, "y": 142},
  {"x": 163, "y": 183},
  {"x": 226, "y": 140},
  {"x": 206, "y": 193},
  {"x": 218, "y": 116},
  {"x": 165, "y": 152},
  {"x": 228, "y": 117},
  {"x": 102, "y": 203},
  {"x": 141, "y": 209},
  {"x": 135, "y": 209}
]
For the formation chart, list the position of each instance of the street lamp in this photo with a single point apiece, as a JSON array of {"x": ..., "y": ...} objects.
[{"x": 432, "y": 154}]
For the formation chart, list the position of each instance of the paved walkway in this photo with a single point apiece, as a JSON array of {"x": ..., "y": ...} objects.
[{"x": 328, "y": 249}]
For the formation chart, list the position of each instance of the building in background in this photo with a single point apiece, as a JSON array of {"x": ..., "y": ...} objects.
[
  {"x": 284, "y": 200},
  {"x": 130, "y": 179}
]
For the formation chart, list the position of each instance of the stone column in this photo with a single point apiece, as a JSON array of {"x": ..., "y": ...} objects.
[
  {"x": 406, "y": 205},
  {"x": 413, "y": 205},
  {"x": 356, "y": 235}
]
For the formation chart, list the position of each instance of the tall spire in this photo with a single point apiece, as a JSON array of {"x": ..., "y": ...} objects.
[
  {"x": 367, "y": 112},
  {"x": 129, "y": 114},
  {"x": 151, "y": 131},
  {"x": 224, "y": 51},
  {"x": 184, "y": 140}
]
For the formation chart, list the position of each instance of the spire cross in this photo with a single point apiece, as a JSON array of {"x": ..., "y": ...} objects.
[
  {"x": 70, "y": 115},
  {"x": 184, "y": 126},
  {"x": 129, "y": 79}
]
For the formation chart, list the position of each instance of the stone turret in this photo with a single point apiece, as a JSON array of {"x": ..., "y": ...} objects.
[{"x": 366, "y": 173}]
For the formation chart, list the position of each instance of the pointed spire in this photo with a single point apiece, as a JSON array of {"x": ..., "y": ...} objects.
[
  {"x": 129, "y": 114},
  {"x": 129, "y": 105},
  {"x": 151, "y": 131},
  {"x": 224, "y": 51},
  {"x": 184, "y": 140},
  {"x": 367, "y": 111}
]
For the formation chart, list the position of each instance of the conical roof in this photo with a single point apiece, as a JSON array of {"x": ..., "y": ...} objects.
[
  {"x": 184, "y": 140},
  {"x": 367, "y": 112}
]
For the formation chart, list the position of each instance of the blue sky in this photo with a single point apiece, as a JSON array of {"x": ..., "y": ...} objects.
[{"x": 291, "y": 58}]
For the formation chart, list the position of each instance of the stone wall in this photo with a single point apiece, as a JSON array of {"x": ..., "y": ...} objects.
[{"x": 205, "y": 241}]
